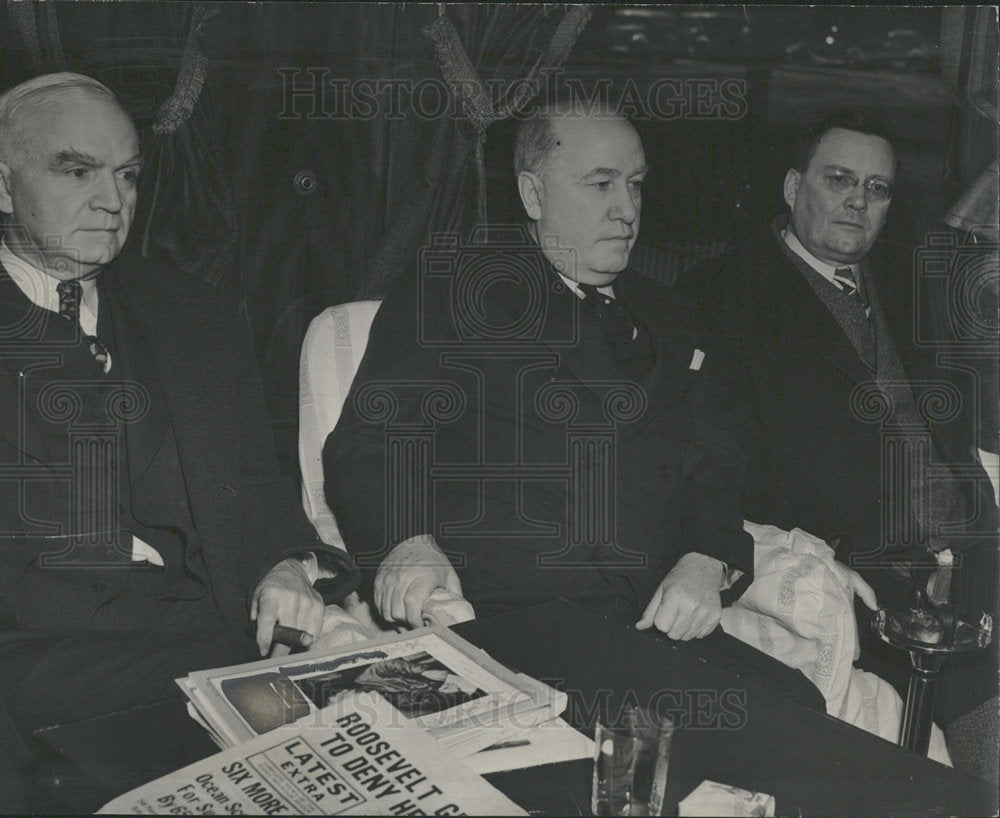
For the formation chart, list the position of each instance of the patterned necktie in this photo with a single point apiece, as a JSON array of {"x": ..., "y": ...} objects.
[
  {"x": 69, "y": 300},
  {"x": 70, "y": 293},
  {"x": 619, "y": 326},
  {"x": 845, "y": 277}
]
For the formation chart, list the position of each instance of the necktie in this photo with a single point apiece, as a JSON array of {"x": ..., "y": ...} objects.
[
  {"x": 849, "y": 285},
  {"x": 70, "y": 293},
  {"x": 630, "y": 343},
  {"x": 619, "y": 326}
]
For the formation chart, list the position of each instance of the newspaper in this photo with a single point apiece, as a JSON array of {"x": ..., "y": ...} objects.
[
  {"x": 358, "y": 756},
  {"x": 446, "y": 685},
  {"x": 548, "y": 743}
]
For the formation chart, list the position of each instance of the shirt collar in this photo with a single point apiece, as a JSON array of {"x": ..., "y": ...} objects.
[
  {"x": 607, "y": 289},
  {"x": 820, "y": 267},
  {"x": 39, "y": 287},
  {"x": 573, "y": 285}
]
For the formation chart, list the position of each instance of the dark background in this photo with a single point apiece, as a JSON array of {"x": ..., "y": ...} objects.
[{"x": 291, "y": 206}]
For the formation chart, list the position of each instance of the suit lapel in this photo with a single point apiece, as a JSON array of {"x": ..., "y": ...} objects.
[
  {"x": 793, "y": 300},
  {"x": 144, "y": 437},
  {"x": 672, "y": 350},
  {"x": 176, "y": 328},
  {"x": 568, "y": 327},
  {"x": 163, "y": 332},
  {"x": 573, "y": 332},
  {"x": 30, "y": 337}
]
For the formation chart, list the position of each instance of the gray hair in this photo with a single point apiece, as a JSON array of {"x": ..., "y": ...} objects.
[{"x": 34, "y": 91}]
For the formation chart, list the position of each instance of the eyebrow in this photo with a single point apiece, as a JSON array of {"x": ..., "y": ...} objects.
[
  {"x": 74, "y": 157},
  {"x": 614, "y": 173},
  {"x": 848, "y": 170}
]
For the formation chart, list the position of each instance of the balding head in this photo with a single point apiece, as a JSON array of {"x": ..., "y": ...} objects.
[
  {"x": 580, "y": 171},
  {"x": 536, "y": 136}
]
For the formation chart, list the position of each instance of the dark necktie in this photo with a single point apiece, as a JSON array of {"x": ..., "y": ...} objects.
[
  {"x": 70, "y": 293},
  {"x": 630, "y": 343},
  {"x": 849, "y": 285},
  {"x": 617, "y": 321}
]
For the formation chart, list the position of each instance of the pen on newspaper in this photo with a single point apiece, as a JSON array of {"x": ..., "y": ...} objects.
[{"x": 292, "y": 637}]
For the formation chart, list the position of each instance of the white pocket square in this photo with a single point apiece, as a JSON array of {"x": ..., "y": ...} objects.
[{"x": 696, "y": 359}]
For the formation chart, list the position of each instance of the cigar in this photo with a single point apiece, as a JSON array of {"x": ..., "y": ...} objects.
[{"x": 292, "y": 637}]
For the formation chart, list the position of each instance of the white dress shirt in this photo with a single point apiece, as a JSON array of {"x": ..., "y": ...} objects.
[
  {"x": 820, "y": 267},
  {"x": 40, "y": 289}
]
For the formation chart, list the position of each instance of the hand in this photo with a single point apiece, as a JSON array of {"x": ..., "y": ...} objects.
[
  {"x": 445, "y": 608},
  {"x": 285, "y": 595},
  {"x": 340, "y": 628},
  {"x": 686, "y": 604},
  {"x": 408, "y": 576},
  {"x": 853, "y": 582}
]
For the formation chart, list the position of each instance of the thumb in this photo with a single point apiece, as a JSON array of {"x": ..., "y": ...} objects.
[
  {"x": 650, "y": 612},
  {"x": 864, "y": 590},
  {"x": 452, "y": 582}
]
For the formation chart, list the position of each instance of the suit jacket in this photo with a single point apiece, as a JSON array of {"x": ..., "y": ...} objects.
[
  {"x": 816, "y": 450},
  {"x": 240, "y": 514},
  {"x": 489, "y": 411}
]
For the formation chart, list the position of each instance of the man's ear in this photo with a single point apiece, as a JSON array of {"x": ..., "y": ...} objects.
[
  {"x": 792, "y": 179},
  {"x": 6, "y": 200},
  {"x": 530, "y": 188}
]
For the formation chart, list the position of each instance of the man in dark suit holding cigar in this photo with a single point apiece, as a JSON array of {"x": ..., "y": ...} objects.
[{"x": 143, "y": 523}]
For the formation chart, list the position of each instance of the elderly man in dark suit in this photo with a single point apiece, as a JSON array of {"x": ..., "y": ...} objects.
[
  {"x": 849, "y": 423},
  {"x": 143, "y": 523},
  {"x": 532, "y": 420}
]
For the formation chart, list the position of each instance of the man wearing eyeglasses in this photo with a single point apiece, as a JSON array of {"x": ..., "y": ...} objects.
[{"x": 837, "y": 404}]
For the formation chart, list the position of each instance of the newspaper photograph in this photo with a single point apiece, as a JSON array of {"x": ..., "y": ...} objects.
[{"x": 449, "y": 687}]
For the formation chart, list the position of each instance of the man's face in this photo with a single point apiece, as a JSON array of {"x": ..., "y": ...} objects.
[
  {"x": 69, "y": 183},
  {"x": 589, "y": 197},
  {"x": 835, "y": 221}
]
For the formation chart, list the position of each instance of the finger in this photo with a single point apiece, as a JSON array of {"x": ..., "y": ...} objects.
[
  {"x": 667, "y": 614},
  {"x": 280, "y": 650},
  {"x": 299, "y": 610},
  {"x": 651, "y": 610},
  {"x": 712, "y": 624},
  {"x": 413, "y": 601},
  {"x": 681, "y": 624},
  {"x": 396, "y": 601},
  {"x": 253, "y": 608},
  {"x": 314, "y": 623},
  {"x": 384, "y": 600},
  {"x": 704, "y": 625},
  {"x": 694, "y": 624},
  {"x": 866, "y": 592},
  {"x": 265, "y": 627},
  {"x": 378, "y": 589}
]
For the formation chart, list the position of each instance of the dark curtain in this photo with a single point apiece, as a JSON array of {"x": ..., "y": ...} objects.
[
  {"x": 966, "y": 314},
  {"x": 312, "y": 149}
]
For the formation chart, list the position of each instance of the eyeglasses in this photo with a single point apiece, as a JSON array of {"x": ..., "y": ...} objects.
[{"x": 876, "y": 189}]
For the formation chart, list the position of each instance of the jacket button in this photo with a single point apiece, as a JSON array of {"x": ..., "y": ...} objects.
[
  {"x": 665, "y": 472},
  {"x": 554, "y": 375}
]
